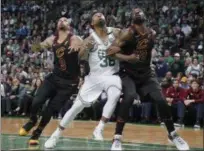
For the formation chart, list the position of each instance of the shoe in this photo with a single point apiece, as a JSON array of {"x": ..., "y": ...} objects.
[
  {"x": 197, "y": 125},
  {"x": 178, "y": 141},
  {"x": 98, "y": 134},
  {"x": 162, "y": 123},
  {"x": 34, "y": 140},
  {"x": 117, "y": 145},
  {"x": 26, "y": 128},
  {"x": 52, "y": 141},
  {"x": 179, "y": 123}
]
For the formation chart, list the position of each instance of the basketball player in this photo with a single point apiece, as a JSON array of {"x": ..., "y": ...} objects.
[
  {"x": 59, "y": 85},
  {"x": 135, "y": 44},
  {"x": 102, "y": 77}
]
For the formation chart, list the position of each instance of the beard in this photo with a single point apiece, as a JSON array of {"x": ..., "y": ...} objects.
[
  {"x": 101, "y": 23},
  {"x": 62, "y": 28}
]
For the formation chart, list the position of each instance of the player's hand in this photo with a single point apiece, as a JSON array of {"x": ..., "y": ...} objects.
[
  {"x": 88, "y": 43},
  {"x": 112, "y": 50},
  {"x": 36, "y": 47},
  {"x": 74, "y": 48}
]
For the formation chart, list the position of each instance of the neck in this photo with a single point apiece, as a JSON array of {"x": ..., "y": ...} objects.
[
  {"x": 101, "y": 31},
  {"x": 63, "y": 32}
]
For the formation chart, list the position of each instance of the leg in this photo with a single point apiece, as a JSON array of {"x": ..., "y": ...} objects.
[
  {"x": 146, "y": 111},
  {"x": 45, "y": 91},
  {"x": 129, "y": 91},
  {"x": 77, "y": 107},
  {"x": 54, "y": 105},
  {"x": 199, "y": 114},
  {"x": 113, "y": 97},
  {"x": 89, "y": 92},
  {"x": 3, "y": 105},
  {"x": 165, "y": 114},
  {"x": 180, "y": 113},
  {"x": 8, "y": 105}
]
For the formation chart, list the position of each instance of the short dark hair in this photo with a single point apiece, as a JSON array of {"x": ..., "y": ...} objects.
[
  {"x": 93, "y": 13},
  {"x": 196, "y": 80}
]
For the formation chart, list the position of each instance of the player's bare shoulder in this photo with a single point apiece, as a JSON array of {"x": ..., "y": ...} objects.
[
  {"x": 115, "y": 31},
  {"x": 76, "y": 38},
  {"x": 48, "y": 42}
]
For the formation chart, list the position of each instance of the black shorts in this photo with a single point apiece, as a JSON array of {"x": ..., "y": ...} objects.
[
  {"x": 58, "y": 90},
  {"x": 143, "y": 86}
]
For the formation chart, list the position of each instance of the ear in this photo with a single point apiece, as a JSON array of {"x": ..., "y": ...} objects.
[{"x": 92, "y": 22}]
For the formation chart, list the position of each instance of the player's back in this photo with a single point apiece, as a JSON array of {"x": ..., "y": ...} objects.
[{"x": 99, "y": 63}]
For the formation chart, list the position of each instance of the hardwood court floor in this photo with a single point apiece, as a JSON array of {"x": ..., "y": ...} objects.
[{"x": 79, "y": 136}]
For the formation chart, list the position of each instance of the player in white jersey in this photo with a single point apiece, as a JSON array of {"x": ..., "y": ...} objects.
[{"x": 102, "y": 77}]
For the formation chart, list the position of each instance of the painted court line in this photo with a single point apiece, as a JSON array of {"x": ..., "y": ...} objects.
[{"x": 90, "y": 142}]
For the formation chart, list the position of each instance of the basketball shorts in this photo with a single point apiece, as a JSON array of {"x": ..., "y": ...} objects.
[{"x": 94, "y": 85}]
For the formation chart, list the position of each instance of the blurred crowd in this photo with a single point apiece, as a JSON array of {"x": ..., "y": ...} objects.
[{"x": 177, "y": 55}]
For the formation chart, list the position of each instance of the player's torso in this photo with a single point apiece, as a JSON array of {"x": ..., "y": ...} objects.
[
  {"x": 65, "y": 64},
  {"x": 141, "y": 45},
  {"x": 98, "y": 62}
]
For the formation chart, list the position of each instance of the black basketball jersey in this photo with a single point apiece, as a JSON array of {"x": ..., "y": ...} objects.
[
  {"x": 141, "y": 45},
  {"x": 65, "y": 65}
]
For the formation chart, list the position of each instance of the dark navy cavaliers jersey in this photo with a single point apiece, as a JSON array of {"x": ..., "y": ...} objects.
[
  {"x": 141, "y": 45},
  {"x": 65, "y": 65}
]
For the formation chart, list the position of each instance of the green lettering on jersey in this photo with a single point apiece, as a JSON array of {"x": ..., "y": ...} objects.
[{"x": 105, "y": 60}]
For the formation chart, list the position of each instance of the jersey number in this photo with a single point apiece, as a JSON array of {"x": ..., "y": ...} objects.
[{"x": 107, "y": 62}]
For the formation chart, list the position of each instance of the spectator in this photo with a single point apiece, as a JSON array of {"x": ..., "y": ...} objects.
[
  {"x": 22, "y": 32},
  {"x": 184, "y": 84},
  {"x": 161, "y": 67},
  {"x": 15, "y": 96},
  {"x": 168, "y": 58},
  {"x": 165, "y": 84},
  {"x": 177, "y": 66},
  {"x": 175, "y": 98},
  {"x": 29, "y": 95},
  {"x": 195, "y": 98},
  {"x": 6, "y": 91},
  {"x": 194, "y": 68}
]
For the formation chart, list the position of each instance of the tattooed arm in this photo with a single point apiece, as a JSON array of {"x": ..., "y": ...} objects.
[
  {"x": 47, "y": 43},
  {"x": 115, "y": 48},
  {"x": 86, "y": 46}
]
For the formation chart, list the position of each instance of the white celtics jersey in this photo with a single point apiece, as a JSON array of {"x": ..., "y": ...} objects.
[{"x": 98, "y": 62}]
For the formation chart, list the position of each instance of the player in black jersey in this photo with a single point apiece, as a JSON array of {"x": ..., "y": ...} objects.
[
  {"x": 133, "y": 48},
  {"x": 61, "y": 83}
]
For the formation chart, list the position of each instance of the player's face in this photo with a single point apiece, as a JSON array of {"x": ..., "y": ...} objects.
[
  {"x": 136, "y": 14},
  {"x": 98, "y": 20},
  {"x": 63, "y": 24}
]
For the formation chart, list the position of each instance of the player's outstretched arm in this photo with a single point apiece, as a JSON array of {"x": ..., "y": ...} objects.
[
  {"x": 75, "y": 44},
  {"x": 115, "y": 48},
  {"x": 47, "y": 43},
  {"x": 86, "y": 46}
]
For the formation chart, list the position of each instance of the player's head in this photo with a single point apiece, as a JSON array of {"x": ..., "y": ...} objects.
[
  {"x": 63, "y": 24},
  {"x": 98, "y": 20},
  {"x": 138, "y": 16}
]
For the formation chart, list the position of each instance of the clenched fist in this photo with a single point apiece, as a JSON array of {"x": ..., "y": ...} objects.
[{"x": 113, "y": 50}]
